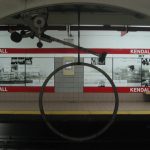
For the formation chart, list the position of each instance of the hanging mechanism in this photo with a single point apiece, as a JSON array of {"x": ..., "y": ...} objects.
[{"x": 78, "y": 35}]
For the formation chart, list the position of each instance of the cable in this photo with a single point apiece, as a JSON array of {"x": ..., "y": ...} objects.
[{"x": 78, "y": 35}]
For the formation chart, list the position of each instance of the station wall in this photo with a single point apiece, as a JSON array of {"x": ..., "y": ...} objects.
[{"x": 89, "y": 39}]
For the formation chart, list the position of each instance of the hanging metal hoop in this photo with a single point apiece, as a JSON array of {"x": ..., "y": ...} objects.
[{"x": 80, "y": 139}]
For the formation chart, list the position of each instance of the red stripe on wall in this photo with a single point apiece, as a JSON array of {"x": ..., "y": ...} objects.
[
  {"x": 70, "y": 51},
  {"x": 25, "y": 89},
  {"x": 119, "y": 89},
  {"x": 85, "y": 89}
]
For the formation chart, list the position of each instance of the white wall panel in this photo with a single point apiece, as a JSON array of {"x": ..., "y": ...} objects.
[{"x": 89, "y": 39}]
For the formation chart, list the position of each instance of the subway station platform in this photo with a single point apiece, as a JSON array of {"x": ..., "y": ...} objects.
[
  {"x": 73, "y": 108},
  {"x": 22, "y": 126}
]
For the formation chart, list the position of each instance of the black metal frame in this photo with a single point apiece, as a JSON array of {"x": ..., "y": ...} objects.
[
  {"x": 75, "y": 28},
  {"x": 81, "y": 139}
]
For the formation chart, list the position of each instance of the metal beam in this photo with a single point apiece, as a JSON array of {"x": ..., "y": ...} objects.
[{"x": 75, "y": 28}]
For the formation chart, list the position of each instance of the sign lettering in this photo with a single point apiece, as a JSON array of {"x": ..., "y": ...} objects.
[
  {"x": 140, "y": 51},
  {"x": 3, "y": 51},
  {"x": 139, "y": 90},
  {"x": 3, "y": 89}
]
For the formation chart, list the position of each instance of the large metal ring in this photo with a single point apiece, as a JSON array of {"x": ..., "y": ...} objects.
[{"x": 80, "y": 139}]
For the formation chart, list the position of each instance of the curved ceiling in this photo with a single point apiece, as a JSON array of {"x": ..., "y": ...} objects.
[
  {"x": 94, "y": 12},
  {"x": 8, "y": 7}
]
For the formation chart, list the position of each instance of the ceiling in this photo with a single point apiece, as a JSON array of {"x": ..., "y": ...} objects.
[
  {"x": 37, "y": 16},
  {"x": 65, "y": 12}
]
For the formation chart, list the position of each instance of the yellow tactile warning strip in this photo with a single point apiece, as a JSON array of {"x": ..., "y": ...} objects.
[{"x": 74, "y": 112}]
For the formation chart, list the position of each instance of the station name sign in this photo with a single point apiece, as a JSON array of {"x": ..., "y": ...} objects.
[
  {"x": 86, "y": 89},
  {"x": 25, "y": 89},
  {"x": 119, "y": 89}
]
